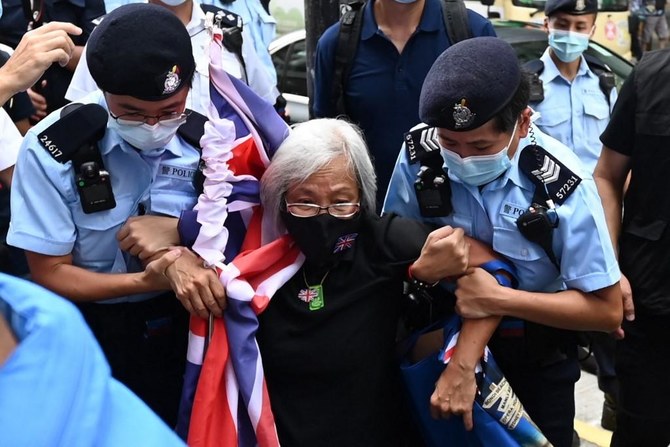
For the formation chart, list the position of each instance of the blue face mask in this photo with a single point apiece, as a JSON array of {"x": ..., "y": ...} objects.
[
  {"x": 568, "y": 45},
  {"x": 479, "y": 169}
]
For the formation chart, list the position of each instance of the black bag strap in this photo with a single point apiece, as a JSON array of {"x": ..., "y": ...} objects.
[
  {"x": 606, "y": 79},
  {"x": 351, "y": 25},
  {"x": 191, "y": 132},
  {"x": 456, "y": 20}
]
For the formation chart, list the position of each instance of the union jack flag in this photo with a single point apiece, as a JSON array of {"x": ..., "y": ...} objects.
[
  {"x": 307, "y": 295},
  {"x": 225, "y": 400},
  {"x": 345, "y": 242}
]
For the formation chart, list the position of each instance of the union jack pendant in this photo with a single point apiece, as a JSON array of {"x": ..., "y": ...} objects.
[{"x": 312, "y": 296}]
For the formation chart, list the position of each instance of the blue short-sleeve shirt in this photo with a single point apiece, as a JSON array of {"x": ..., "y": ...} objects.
[
  {"x": 383, "y": 88},
  {"x": 581, "y": 242},
  {"x": 47, "y": 216},
  {"x": 575, "y": 113}
]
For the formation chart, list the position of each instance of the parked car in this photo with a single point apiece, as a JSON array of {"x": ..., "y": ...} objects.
[{"x": 289, "y": 55}]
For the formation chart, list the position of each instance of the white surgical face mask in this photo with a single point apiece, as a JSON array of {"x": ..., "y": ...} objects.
[
  {"x": 146, "y": 137},
  {"x": 479, "y": 169}
]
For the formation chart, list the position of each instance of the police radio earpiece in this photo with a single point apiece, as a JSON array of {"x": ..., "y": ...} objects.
[{"x": 92, "y": 180}]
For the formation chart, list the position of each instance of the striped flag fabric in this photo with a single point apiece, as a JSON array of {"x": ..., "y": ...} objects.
[{"x": 225, "y": 400}]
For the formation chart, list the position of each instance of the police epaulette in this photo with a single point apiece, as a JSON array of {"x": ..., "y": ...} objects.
[
  {"x": 224, "y": 18},
  {"x": 79, "y": 125},
  {"x": 535, "y": 66},
  {"x": 193, "y": 129},
  {"x": 191, "y": 132},
  {"x": 420, "y": 143},
  {"x": 98, "y": 20},
  {"x": 545, "y": 170}
]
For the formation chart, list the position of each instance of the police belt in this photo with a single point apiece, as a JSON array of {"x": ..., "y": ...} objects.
[{"x": 538, "y": 345}]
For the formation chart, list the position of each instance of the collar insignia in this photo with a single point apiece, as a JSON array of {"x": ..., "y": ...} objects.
[{"x": 463, "y": 117}]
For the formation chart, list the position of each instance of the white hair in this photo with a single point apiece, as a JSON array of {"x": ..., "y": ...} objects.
[{"x": 309, "y": 148}]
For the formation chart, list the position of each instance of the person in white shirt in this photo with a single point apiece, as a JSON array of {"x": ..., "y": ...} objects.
[{"x": 192, "y": 15}]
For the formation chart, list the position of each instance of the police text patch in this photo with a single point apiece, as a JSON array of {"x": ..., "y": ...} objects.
[
  {"x": 176, "y": 172},
  {"x": 512, "y": 210}
]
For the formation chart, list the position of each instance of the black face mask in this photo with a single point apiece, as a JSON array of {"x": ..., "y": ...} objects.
[{"x": 322, "y": 238}]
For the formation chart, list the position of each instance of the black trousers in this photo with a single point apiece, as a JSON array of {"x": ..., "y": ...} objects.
[
  {"x": 543, "y": 381},
  {"x": 642, "y": 365},
  {"x": 145, "y": 344}
]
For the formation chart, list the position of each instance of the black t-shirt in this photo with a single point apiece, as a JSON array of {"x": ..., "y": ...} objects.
[
  {"x": 620, "y": 132},
  {"x": 331, "y": 373},
  {"x": 640, "y": 129}
]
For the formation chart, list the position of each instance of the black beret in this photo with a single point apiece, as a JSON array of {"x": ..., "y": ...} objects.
[
  {"x": 141, "y": 50},
  {"x": 469, "y": 84},
  {"x": 573, "y": 7}
]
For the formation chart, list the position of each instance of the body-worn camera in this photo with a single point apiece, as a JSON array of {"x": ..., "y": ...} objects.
[
  {"x": 95, "y": 188},
  {"x": 433, "y": 192}
]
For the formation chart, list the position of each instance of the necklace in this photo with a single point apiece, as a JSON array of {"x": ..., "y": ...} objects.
[{"x": 313, "y": 295}]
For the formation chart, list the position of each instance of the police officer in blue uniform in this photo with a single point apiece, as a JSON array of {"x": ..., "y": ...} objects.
[
  {"x": 86, "y": 169},
  {"x": 525, "y": 194},
  {"x": 578, "y": 91}
]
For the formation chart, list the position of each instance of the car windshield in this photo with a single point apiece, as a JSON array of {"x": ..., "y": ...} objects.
[{"x": 603, "y": 5}]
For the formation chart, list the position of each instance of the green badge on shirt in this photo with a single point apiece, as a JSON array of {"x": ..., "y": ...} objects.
[{"x": 313, "y": 296}]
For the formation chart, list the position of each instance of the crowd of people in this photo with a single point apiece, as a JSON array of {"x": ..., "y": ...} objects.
[{"x": 171, "y": 192}]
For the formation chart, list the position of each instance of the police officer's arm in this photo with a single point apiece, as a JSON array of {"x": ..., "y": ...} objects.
[
  {"x": 36, "y": 51},
  {"x": 147, "y": 237},
  {"x": 479, "y": 295},
  {"x": 198, "y": 288},
  {"x": 57, "y": 273}
]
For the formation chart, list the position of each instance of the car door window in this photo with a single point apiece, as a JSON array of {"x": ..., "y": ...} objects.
[
  {"x": 279, "y": 61},
  {"x": 295, "y": 75}
]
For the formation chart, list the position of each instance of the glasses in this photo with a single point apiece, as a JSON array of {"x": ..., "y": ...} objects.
[
  {"x": 341, "y": 210},
  {"x": 137, "y": 119}
]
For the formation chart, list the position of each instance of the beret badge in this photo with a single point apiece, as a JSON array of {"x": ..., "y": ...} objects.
[
  {"x": 172, "y": 80},
  {"x": 580, "y": 5},
  {"x": 463, "y": 117}
]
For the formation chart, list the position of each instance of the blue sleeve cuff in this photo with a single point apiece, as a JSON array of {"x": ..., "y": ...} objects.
[
  {"x": 504, "y": 272},
  {"x": 188, "y": 227}
]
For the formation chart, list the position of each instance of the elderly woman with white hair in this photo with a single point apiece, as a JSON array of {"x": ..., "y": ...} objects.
[{"x": 327, "y": 337}]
